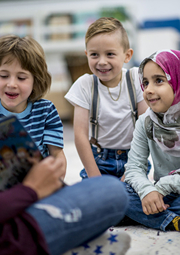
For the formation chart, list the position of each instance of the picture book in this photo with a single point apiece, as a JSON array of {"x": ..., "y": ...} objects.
[{"x": 16, "y": 147}]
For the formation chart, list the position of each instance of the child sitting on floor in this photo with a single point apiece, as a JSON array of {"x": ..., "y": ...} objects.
[{"x": 157, "y": 132}]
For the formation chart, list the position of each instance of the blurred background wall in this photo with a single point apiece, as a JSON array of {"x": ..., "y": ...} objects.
[{"x": 60, "y": 26}]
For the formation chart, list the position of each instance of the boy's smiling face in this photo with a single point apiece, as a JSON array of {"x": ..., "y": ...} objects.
[
  {"x": 106, "y": 57},
  {"x": 158, "y": 94},
  {"x": 16, "y": 85}
]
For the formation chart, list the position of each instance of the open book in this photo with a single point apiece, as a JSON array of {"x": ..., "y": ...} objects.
[{"x": 16, "y": 146}]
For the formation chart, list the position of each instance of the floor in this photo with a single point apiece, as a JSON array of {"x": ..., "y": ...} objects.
[{"x": 144, "y": 241}]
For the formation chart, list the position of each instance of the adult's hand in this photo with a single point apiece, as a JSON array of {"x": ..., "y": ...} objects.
[{"x": 44, "y": 176}]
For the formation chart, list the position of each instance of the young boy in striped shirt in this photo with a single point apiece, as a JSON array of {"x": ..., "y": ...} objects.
[{"x": 24, "y": 80}]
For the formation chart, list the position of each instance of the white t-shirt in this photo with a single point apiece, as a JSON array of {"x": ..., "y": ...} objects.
[{"x": 115, "y": 129}]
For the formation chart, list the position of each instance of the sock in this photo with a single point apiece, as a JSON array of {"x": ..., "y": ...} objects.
[{"x": 174, "y": 224}]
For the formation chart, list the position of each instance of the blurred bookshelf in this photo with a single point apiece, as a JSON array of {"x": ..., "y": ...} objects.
[{"x": 60, "y": 28}]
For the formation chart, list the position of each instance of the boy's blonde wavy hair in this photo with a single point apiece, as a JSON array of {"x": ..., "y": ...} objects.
[
  {"x": 107, "y": 25},
  {"x": 31, "y": 57}
]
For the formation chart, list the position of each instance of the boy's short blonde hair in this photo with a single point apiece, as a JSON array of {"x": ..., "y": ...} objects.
[
  {"x": 31, "y": 57},
  {"x": 107, "y": 25}
]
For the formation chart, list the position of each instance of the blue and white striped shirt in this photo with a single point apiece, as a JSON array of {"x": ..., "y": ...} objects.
[{"x": 42, "y": 122}]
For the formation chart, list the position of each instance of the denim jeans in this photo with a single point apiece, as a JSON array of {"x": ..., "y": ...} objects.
[
  {"x": 109, "y": 162},
  {"x": 158, "y": 220},
  {"x": 78, "y": 213}
]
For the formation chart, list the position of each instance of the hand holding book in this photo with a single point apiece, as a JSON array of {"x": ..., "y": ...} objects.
[{"x": 45, "y": 177}]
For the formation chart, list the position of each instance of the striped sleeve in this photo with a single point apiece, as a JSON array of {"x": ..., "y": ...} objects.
[
  {"x": 53, "y": 133},
  {"x": 44, "y": 125}
]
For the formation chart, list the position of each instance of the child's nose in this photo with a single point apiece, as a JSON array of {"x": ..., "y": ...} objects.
[
  {"x": 150, "y": 88},
  {"x": 102, "y": 60},
  {"x": 12, "y": 82}
]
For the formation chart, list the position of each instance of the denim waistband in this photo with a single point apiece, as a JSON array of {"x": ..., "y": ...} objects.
[{"x": 111, "y": 152}]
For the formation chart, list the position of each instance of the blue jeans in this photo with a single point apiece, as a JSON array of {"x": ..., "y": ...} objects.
[
  {"x": 79, "y": 213},
  {"x": 158, "y": 220},
  {"x": 111, "y": 162}
]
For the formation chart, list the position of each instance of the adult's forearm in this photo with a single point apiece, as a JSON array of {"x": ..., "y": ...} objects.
[{"x": 13, "y": 201}]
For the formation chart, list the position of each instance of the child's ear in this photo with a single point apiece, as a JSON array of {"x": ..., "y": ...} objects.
[
  {"x": 85, "y": 52},
  {"x": 129, "y": 54}
]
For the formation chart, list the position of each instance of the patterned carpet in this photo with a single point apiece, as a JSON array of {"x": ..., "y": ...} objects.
[{"x": 145, "y": 241}]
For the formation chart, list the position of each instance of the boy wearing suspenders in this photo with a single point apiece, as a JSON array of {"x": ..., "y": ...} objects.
[{"x": 105, "y": 109}]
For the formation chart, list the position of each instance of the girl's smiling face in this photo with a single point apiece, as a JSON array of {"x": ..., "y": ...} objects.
[
  {"x": 16, "y": 85},
  {"x": 158, "y": 94}
]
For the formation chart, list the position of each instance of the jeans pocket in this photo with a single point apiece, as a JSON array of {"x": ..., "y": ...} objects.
[{"x": 97, "y": 158}]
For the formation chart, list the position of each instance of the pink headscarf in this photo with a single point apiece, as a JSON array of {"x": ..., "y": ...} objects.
[{"x": 169, "y": 61}]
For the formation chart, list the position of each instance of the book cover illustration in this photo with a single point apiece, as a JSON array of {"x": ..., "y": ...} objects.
[{"x": 16, "y": 146}]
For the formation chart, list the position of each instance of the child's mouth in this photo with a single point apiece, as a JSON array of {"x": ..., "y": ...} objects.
[
  {"x": 104, "y": 70},
  {"x": 153, "y": 100},
  {"x": 12, "y": 95}
]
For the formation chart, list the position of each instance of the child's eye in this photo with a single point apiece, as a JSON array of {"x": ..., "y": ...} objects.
[
  {"x": 145, "y": 84},
  {"x": 110, "y": 54},
  {"x": 159, "y": 80},
  {"x": 3, "y": 76},
  {"x": 21, "y": 78},
  {"x": 93, "y": 54}
]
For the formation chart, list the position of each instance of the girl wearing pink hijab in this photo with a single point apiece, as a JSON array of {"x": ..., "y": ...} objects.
[{"x": 157, "y": 132}]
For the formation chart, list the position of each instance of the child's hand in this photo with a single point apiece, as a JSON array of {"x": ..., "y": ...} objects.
[
  {"x": 123, "y": 178},
  {"x": 153, "y": 203}
]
